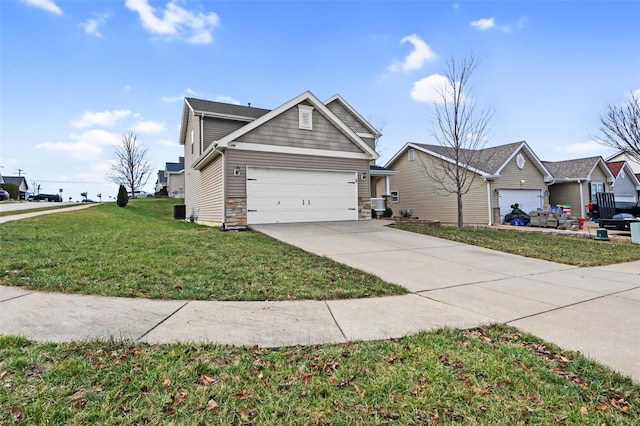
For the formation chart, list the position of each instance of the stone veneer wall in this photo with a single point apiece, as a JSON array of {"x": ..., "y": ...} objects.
[
  {"x": 364, "y": 208},
  {"x": 236, "y": 211}
]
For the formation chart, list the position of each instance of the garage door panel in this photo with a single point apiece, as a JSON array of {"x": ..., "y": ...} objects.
[
  {"x": 527, "y": 199},
  {"x": 289, "y": 195}
]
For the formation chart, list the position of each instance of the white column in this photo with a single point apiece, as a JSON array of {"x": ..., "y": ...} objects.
[
  {"x": 490, "y": 223},
  {"x": 386, "y": 185}
]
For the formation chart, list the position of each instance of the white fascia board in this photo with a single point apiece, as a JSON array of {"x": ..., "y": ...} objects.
[
  {"x": 207, "y": 157},
  {"x": 185, "y": 119},
  {"x": 310, "y": 97},
  {"x": 383, "y": 172},
  {"x": 244, "y": 146},
  {"x": 628, "y": 172},
  {"x": 524, "y": 146},
  {"x": 365, "y": 135},
  {"x": 352, "y": 110},
  {"x": 604, "y": 167},
  {"x": 225, "y": 116},
  {"x": 396, "y": 155}
]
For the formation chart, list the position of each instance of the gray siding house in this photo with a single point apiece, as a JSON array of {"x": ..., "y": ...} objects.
[
  {"x": 303, "y": 161},
  {"x": 626, "y": 185}
]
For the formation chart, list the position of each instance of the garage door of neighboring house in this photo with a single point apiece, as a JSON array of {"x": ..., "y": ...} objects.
[
  {"x": 528, "y": 199},
  {"x": 292, "y": 195}
]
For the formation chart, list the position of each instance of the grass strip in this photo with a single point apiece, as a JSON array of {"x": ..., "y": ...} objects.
[
  {"x": 567, "y": 250},
  {"x": 141, "y": 251},
  {"x": 493, "y": 375}
]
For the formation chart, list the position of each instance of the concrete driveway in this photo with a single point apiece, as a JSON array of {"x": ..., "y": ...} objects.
[{"x": 592, "y": 310}]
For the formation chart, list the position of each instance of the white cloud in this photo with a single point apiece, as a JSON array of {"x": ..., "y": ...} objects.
[
  {"x": 226, "y": 100},
  {"x": 105, "y": 118},
  {"x": 126, "y": 88},
  {"x": 490, "y": 23},
  {"x": 149, "y": 126},
  {"x": 97, "y": 137},
  {"x": 92, "y": 25},
  {"x": 166, "y": 142},
  {"x": 175, "y": 22},
  {"x": 48, "y": 5},
  {"x": 430, "y": 88},
  {"x": 483, "y": 24},
  {"x": 588, "y": 147},
  {"x": 80, "y": 150},
  {"x": 421, "y": 53}
]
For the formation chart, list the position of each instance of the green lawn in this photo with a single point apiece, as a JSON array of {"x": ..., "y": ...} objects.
[
  {"x": 489, "y": 376},
  {"x": 561, "y": 249},
  {"x": 141, "y": 251}
]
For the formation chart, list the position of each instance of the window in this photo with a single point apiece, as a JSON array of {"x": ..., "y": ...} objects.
[
  {"x": 395, "y": 196},
  {"x": 305, "y": 118},
  {"x": 192, "y": 138},
  {"x": 411, "y": 155},
  {"x": 596, "y": 187}
]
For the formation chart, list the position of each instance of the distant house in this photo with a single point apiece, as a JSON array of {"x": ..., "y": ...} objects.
[
  {"x": 304, "y": 161},
  {"x": 175, "y": 178},
  {"x": 502, "y": 176},
  {"x": 575, "y": 182},
  {"x": 633, "y": 162},
  {"x": 626, "y": 185},
  {"x": 20, "y": 182}
]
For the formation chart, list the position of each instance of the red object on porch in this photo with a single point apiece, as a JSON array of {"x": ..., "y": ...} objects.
[{"x": 580, "y": 223}]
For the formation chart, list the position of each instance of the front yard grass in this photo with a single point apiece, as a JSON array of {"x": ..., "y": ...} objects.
[
  {"x": 35, "y": 209},
  {"x": 567, "y": 250},
  {"x": 492, "y": 376},
  {"x": 141, "y": 251}
]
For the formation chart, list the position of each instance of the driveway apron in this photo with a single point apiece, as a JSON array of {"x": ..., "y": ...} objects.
[{"x": 592, "y": 310}]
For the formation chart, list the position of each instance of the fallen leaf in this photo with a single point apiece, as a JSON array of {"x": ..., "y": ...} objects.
[
  {"x": 126, "y": 379},
  {"x": 80, "y": 404},
  {"x": 212, "y": 405},
  {"x": 166, "y": 383},
  {"x": 584, "y": 411},
  {"x": 481, "y": 391},
  {"x": 602, "y": 406},
  {"x": 358, "y": 390},
  {"x": 245, "y": 415},
  {"x": 242, "y": 395},
  {"x": 206, "y": 380},
  {"x": 18, "y": 413}
]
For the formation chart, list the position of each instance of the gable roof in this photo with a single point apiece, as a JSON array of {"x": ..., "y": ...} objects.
[
  {"x": 615, "y": 167},
  {"x": 487, "y": 162},
  {"x": 16, "y": 180},
  {"x": 356, "y": 114},
  {"x": 175, "y": 167},
  {"x": 221, "y": 109},
  {"x": 212, "y": 151},
  {"x": 577, "y": 169}
]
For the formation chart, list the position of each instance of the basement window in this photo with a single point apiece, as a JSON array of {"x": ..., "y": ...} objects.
[
  {"x": 305, "y": 117},
  {"x": 395, "y": 196}
]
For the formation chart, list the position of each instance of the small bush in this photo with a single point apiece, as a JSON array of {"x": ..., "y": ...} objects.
[
  {"x": 12, "y": 189},
  {"x": 123, "y": 197},
  {"x": 388, "y": 212}
]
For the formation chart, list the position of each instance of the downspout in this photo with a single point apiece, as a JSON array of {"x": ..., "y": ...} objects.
[
  {"x": 201, "y": 133},
  {"x": 581, "y": 200},
  {"x": 224, "y": 183},
  {"x": 490, "y": 222}
]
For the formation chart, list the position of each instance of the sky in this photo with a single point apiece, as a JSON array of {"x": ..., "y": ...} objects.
[{"x": 75, "y": 75}]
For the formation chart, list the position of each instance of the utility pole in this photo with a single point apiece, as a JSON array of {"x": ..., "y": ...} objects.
[{"x": 20, "y": 171}]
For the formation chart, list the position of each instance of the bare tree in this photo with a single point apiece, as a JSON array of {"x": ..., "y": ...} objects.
[
  {"x": 620, "y": 127},
  {"x": 460, "y": 130},
  {"x": 131, "y": 166}
]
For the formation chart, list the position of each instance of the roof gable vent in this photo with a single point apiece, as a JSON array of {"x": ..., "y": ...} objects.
[{"x": 305, "y": 118}]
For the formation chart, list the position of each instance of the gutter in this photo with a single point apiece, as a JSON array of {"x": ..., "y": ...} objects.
[{"x": 490, "y": 221}]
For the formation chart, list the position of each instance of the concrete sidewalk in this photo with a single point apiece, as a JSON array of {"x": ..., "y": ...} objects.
[
  {"x": 593, "y": 310},
  {"x": 4, "y": 207}
]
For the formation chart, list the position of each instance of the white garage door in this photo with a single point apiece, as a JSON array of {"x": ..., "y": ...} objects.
[
  {"x": 528, "y": 199},
  {"x": 288, "y": 195}
]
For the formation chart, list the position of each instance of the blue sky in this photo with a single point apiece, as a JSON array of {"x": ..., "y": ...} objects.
[{"x": 76, "y": 74}]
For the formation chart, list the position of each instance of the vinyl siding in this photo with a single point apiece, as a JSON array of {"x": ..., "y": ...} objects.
[
  {"x": 511, "y": 176},
  {"x": 569, "y": 193},
  {"x": 418, "y": 193},
  {"x": 191, "y": 177},
  {"x": 351, "y": 121},
  {"x": 624, "y": 187},
  {"x": 217, "y": 128},
  {"x": 283, "y": 131},
  {"x": 236, "y": 185}
]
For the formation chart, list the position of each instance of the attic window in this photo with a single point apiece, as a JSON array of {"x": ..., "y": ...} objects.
[
  {"x": 305, "y": 117},
  {"x": 411, "y": 154}
]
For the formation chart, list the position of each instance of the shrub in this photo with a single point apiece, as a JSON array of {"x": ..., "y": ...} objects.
[
  {"x": 12, "y": 189},
  {"x": 388, "y": 212},
  {"x": 123, "y": 197}
]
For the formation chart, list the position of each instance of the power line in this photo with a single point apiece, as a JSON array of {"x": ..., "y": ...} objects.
[{"x": 65, "y": 181}]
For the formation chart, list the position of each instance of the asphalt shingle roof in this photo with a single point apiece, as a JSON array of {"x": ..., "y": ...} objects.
[
  {"x": 579, "y": 168},
  {"x": 175, "y": 167},
  {"x": 226, "y": 109},
  {"x": 489, "y": 160},
  {"x": 615, "y": 167}
]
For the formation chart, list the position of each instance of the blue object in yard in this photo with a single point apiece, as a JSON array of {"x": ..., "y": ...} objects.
[{"x": 517, "y": 222}]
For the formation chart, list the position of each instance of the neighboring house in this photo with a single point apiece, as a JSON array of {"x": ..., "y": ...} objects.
[
  {"x": 502, "y": 176},
  {"x": 175, "y": 178},
  {"x": 633, "y": 162},
  {"x": 20, "y": 182},
  {"x": 303, "y": 161},
  {"x": 577, "y": 181},
  {"x": 161, "y": 182},
  {"x": 626, "y": 185}
]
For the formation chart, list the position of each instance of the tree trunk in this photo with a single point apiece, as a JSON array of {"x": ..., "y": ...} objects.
[{"x": 460, "y": 218}]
